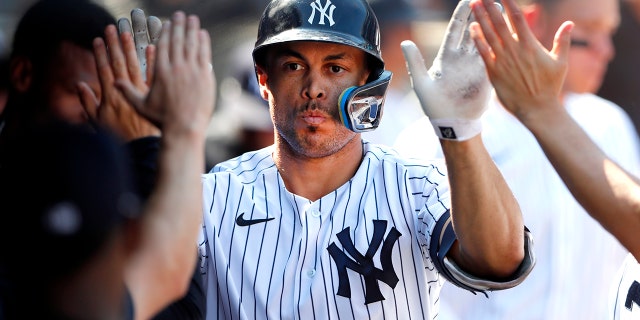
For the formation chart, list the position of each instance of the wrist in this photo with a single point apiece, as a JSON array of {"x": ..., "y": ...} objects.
[
  {"x": 456, "y": 129},
  {"x": 541, "y": 116}
]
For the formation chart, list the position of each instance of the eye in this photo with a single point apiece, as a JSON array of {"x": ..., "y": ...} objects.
[
  {"x": 293, "y": 66},
  {"x": 336, "y": 69}
]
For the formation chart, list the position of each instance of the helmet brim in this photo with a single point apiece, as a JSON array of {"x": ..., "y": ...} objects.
[{"x": 316, "y": 35}]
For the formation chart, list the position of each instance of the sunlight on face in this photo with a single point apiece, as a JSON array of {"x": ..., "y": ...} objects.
[
  {"x": 595, "y": 23},
  {"x": 305, "y": 80}
]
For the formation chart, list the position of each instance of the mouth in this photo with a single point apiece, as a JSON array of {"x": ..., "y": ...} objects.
[
  {"x": 313, "y": 119},
  {"x": 314, "y": 116}
]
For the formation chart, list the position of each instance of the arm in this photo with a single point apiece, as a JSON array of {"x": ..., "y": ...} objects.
[
  {"x": 180, "y": 101},
  {"x": 486, "y": 217},
  {"x": 531, "y": 91},
  {"x": 144, "y": 154},
  {"x": 192, "y": 305},
  {"x": 606, "y": 191},
  {"x": 454, "y": 92}
]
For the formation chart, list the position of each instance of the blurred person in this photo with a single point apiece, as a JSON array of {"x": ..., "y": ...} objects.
[
  {"x": 326, "y": 225},
  {"x": 610, "y": 194},
  {"x": 562, "y": 229},
  {"x": 396, "y": 19},
  {"x": 243, "y": 122},
  {"x": 623, "y": 73},
  {"x": 49, "y": 56},
  {"x": 50, "y": 78},
  {"x": 88, "y": 251}
]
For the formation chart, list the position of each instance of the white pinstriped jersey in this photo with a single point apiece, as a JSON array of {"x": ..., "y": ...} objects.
[
  {"x": 360, "y": 252},
  {"x": 625, "y": 299}
]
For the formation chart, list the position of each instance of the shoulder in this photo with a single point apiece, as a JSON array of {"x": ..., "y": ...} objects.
[
  {"x": 587, "y": 106},
  {"x": 385, "y": 157},
  {"x": 247, "y": 166},
  {"x": 418, "y": 140},
  {"x": 600, "y": 118}
]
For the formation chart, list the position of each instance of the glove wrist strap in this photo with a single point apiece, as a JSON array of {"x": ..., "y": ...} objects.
[{"x": 457, "y": 129}]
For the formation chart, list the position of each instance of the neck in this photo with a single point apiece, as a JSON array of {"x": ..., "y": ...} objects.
[{"x": 313, "y": 178}]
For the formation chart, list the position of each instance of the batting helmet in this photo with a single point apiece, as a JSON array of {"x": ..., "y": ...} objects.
[{"x": 348, "y": 22}]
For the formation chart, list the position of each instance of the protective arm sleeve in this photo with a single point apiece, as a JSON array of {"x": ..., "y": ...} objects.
[{"x": 443, "y": 238}]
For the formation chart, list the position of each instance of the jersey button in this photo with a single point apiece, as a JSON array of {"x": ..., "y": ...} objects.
[
  {"x": 315, "y": 213},
  {"x": 311, "y": 273}
]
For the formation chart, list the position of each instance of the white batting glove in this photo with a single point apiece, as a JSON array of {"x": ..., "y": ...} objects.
[
  {"x": 454, "y": 92},
  {"x": 145, "y": 31}
]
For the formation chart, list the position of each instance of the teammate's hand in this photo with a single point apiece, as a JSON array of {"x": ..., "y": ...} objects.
[
  {"x": 112, "y": 110},
  {"x": 454, "y": 92},
  {"x": 146, "y": 32},
  {"x": 182, "y": 95},
  {"x": 526, "y": 76}
]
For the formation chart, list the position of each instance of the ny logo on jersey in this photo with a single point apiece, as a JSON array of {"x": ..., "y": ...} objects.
[
  {"x": 363, "y": 264},
  {"x": 317, "y": 5},
  {"x": 633, "y": 296}
]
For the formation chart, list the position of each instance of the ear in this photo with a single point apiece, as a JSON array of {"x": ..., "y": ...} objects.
[
  {"x": 262, "y": 82},
  {"x": 21, "y": 73}
]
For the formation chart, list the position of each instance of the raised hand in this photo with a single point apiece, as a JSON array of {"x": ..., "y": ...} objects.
[
  {"x": 454, "y": 92},
  {"x": 146, "y": 32},
  {"x": 112, "y": 110},
  {"x": 182, "y": 94},
  {"x": 526, "y": 76}
]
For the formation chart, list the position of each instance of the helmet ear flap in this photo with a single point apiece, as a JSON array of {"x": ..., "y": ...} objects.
[{"x": 361, "y": 107}]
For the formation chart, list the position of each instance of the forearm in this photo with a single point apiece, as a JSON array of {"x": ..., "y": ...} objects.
[
  {"x": 192, "y": 305},
  {"x": 486, "y": 216},
  {"x": 171, "y": 221},
  {"x": 608, "y": 193}
]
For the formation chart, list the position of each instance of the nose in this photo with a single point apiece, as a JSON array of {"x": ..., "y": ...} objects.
[{"x": 314, "y": 87}]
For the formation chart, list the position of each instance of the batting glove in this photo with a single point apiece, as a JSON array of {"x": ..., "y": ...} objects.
[
  {"x": 145, "y": 31},
  {"x": 454, "y": 92}
]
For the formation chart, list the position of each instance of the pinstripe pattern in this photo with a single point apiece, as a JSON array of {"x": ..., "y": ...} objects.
[
  {"x": 624, "y": 299},
  {"x": 281, "y": 269}
]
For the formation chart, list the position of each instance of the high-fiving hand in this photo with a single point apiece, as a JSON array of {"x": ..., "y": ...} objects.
[
  {"x": 526, "y": 76},
  {"x": 454, "y": 92},
  {"x": 182, "y": 94},
  {"x": 116, "y": 60}
]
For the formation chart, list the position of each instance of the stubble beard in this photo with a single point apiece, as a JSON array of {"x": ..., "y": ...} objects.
[{"x": 312, "y": 142}]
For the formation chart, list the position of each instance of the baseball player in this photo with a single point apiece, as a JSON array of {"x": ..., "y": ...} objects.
[
  {"x": 531, "y": 92},
  {"x": 324, "y": 225}
]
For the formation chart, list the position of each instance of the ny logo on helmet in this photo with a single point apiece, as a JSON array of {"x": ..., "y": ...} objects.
[{"x": 317, "y": 5}]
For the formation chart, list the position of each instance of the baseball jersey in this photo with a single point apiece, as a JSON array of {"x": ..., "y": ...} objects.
[
  {"x": 359, "y": 252},
  {"x": 625, "y": 299}
]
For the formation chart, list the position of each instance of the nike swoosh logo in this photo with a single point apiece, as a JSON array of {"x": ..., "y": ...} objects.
[{"x": 241, "y": 221}]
